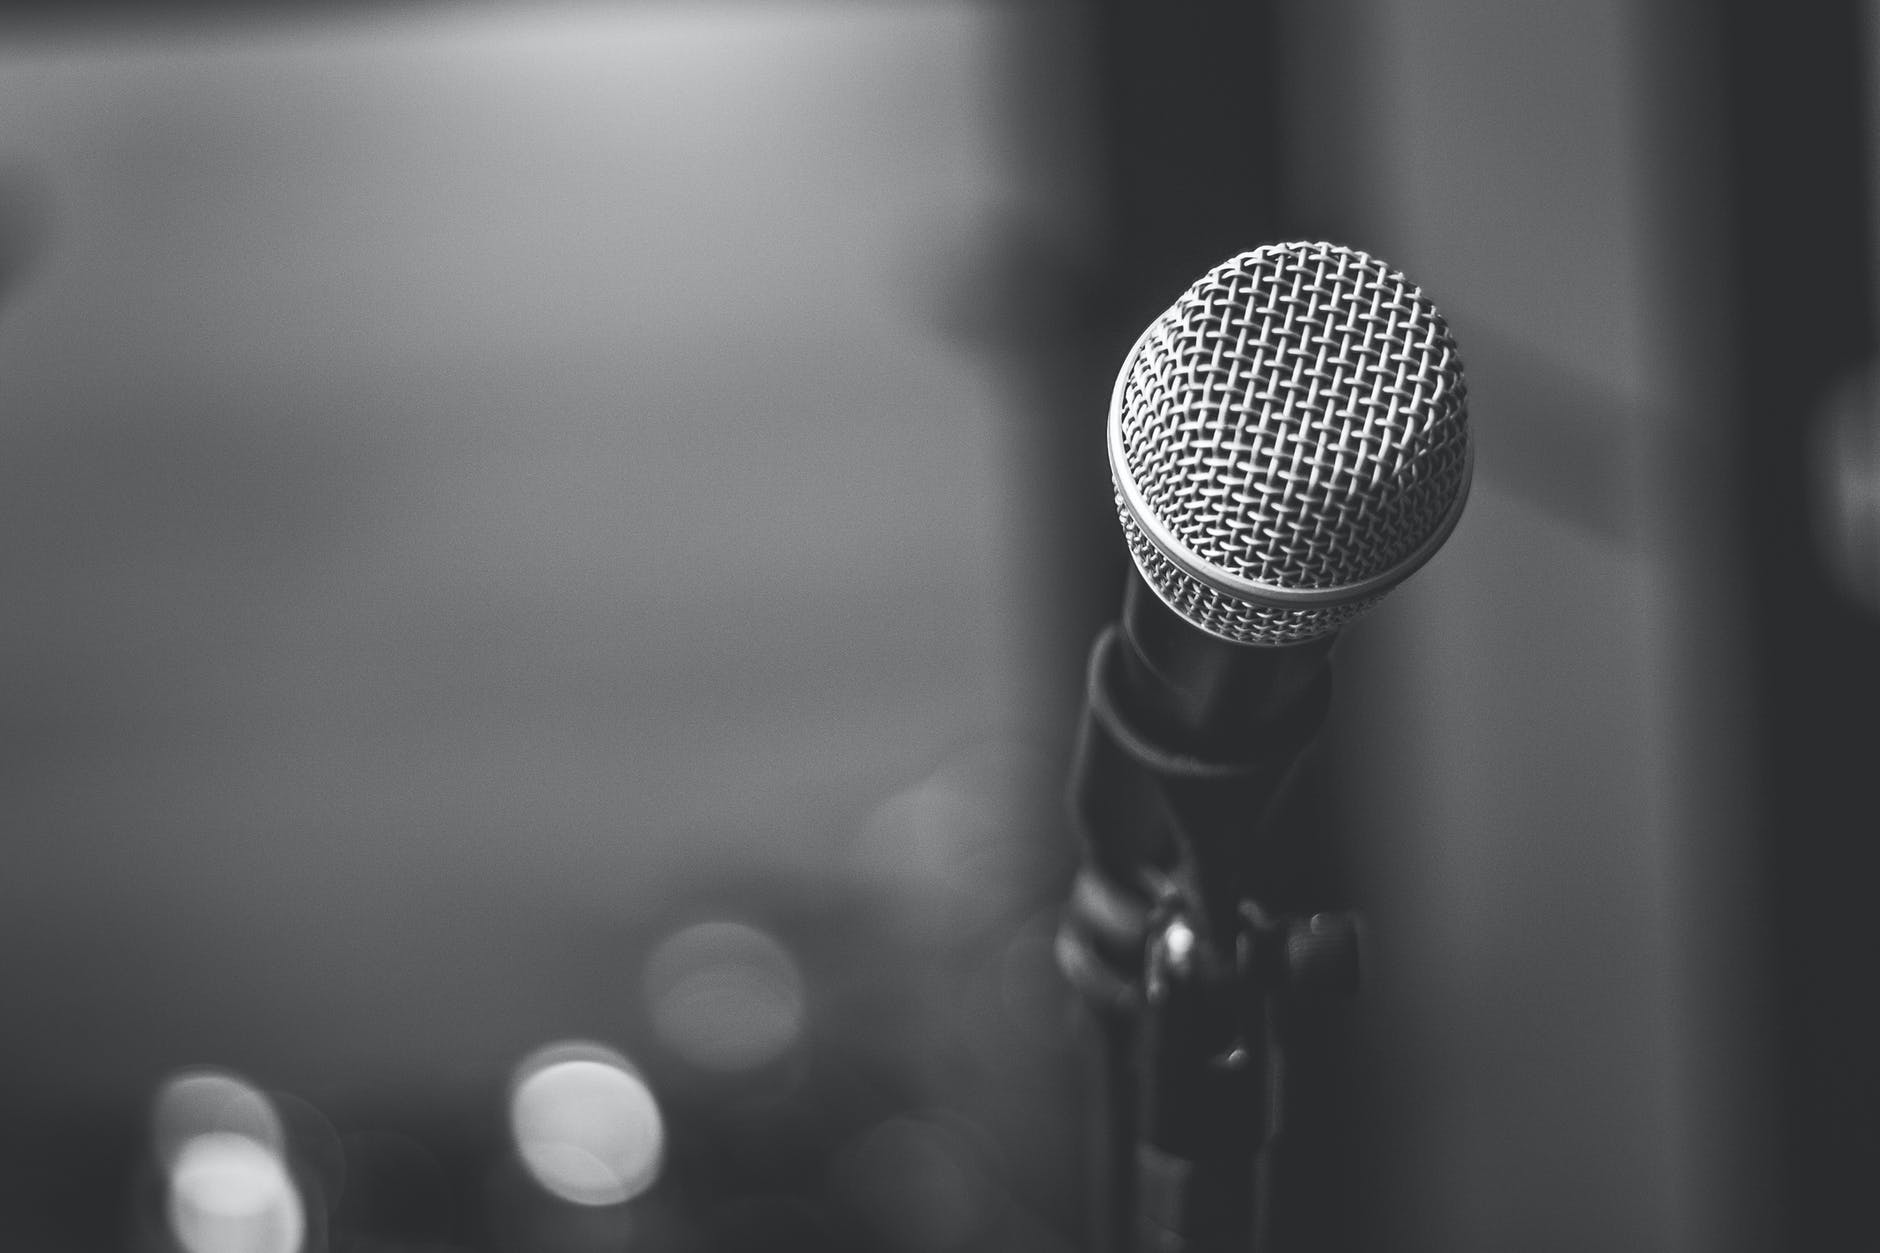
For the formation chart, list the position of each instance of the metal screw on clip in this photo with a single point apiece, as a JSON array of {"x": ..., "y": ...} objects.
[{"x": 1322, "y": 954}]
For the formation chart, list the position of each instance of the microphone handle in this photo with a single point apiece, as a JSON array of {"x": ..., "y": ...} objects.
[
  {"x": 1202, "y": 694},
  {"x": 1178, "y": 930}
]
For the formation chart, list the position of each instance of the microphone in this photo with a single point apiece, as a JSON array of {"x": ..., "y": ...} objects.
[{"x": 1287, "y": 442}]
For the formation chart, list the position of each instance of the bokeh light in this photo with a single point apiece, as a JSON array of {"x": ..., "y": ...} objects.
[
  {"x": 725, "y": 996},
  {"x": 230, "y": 1193},
  {"x": 917, "y": 1184},
  {"x": 201, "y": 1102},
  {"x": 222, "y": 1147},
  {"x": 948, "y": 853},
  {"x": 587, "y": 1126}
]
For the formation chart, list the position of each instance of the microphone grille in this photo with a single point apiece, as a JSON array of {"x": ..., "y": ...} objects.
[{"x": 1288, "y": 441}]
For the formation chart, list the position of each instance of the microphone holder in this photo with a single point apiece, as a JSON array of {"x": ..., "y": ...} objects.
[{"x": 1188, "y": 929}]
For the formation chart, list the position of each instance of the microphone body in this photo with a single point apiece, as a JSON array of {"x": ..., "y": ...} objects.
[
  {"x": 1200, "y": 693},
  {"x": 1185, "y": 747},
  {"x": 1287, "y": 442},
  {"x": 1183, "y": 916}
]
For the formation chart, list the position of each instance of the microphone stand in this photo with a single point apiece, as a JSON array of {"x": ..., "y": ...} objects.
[{"x": 1187, "y": 929}]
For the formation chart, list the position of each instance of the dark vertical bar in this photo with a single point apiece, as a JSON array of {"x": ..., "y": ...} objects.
[
  {"x": 1187, "y": 98},
  {"x": 1189, "y": 111},
  {"x": 1187, "y": 115},
  {"x": 1798, "y": 153}
]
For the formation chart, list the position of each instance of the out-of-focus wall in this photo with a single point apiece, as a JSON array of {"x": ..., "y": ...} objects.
[
  {"x": 480, "y": 488},
  {"x": 1542, "y": 732}
]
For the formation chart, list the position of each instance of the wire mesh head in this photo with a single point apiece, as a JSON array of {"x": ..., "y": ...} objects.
[{"x": 1288, "y": 441}]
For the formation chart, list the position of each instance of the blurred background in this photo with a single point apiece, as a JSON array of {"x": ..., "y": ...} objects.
[{"x": 547, "y": 551}]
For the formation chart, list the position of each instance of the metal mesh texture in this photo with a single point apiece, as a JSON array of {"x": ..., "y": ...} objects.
[
  {"x": 1298, "y": 418},
  {"x": 1238, "y": 620}
]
